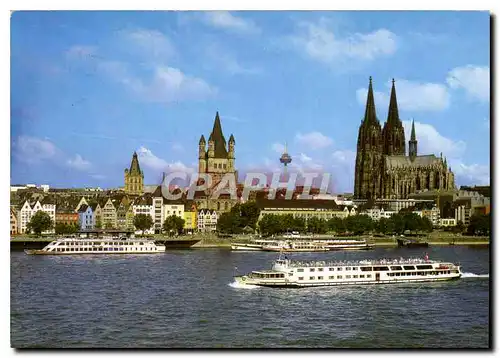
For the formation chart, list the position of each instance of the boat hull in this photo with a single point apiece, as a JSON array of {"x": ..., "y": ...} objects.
[
  {"x": 41, "y": 252},
  {"x": 246, "y": 247},
  {"x": 245, "y": 280}
]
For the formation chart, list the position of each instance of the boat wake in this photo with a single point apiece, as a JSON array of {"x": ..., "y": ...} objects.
[
  {"x": 473, "y": 275},
  {"x": 235, "y": 284}
]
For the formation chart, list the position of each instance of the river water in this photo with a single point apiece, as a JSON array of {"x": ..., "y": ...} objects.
[{"x": 187, "y": 298}]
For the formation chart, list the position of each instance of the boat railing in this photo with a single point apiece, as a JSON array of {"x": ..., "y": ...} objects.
[{"x": 400, "y": 261}]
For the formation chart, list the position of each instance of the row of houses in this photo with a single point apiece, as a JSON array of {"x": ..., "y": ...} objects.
[{"x": 113, "y": 213}]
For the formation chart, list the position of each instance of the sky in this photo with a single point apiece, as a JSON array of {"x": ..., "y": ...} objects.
[{"x": 90, "y": 88}]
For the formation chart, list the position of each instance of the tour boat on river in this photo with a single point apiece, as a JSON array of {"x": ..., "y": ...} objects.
[
  {"x": 295, "y": 246},
  {"x": 288, "y": 273},
  {"x": 71, "y": 246}
]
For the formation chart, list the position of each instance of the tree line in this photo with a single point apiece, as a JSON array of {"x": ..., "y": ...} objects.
[{"x": 355, "y": 224}]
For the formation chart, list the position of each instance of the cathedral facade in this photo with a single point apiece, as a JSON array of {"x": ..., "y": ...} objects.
[
  {"x": 383, "y": 170},
  {"x": 134, "y": 178}
]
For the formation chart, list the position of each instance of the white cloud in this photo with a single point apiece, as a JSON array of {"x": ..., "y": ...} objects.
[
  {"x": 474, "y": 174},
  {"x": 154, "y": 42},
  {"x": 278, "y": 148},
  {"x": 313, "y": 140},
  {"x": 321, "y": 44},
  {"x": 343, "y": 157},
  {"x": 227, "y": 21},
  {"x": 167, "y": 85},
  {"x": 304, "y": 158},
  {"x": 78, "y": 163},
  {"x": 411, "y": 96},
  {"x": 33, "y": 150},
  {"x": 430, "y": 141},
  {"x": 151, "y": 161},
  {"x": 475, "y": 80}
]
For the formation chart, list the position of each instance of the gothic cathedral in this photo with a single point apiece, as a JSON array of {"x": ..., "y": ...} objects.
[
  {"x": 383, "y": 171},
  {"x": 218, "y": 160},
  {"x": 134, "y": 178}
]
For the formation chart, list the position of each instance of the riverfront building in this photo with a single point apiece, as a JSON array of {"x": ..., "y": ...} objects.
[{"x": 321, "y": 209}]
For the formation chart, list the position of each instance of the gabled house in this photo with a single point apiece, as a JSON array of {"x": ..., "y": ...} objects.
[{"x": 86, "y": 217}]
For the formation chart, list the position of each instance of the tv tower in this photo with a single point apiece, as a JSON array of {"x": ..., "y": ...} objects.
[{"x": 285, "y": 158}]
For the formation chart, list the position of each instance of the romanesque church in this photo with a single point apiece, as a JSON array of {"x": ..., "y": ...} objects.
[{"x": 383, "y": 170}]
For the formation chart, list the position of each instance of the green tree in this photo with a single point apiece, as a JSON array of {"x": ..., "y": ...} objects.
[
  {"x": 337, "y": 225},
  {"x": 426, "y": 224},
  {"x": 382, "y": 226},
  {"x": 397, "y": 223},
  {"x": 98, "y": 223},
  {"x": 109, "y": 226},
  {"x": 460, "y": 227},
  {"x": 479, "y": 225},
  {"x": 247, "y": 213},
  {"x": 143, "y": 222},
  {"x": 317, "y": 225},
  {"x": 173, "y": 223},
  {"x": 229, "y": 223},
  {"x": 270, "y": 224},
  {"x": 411, "y": 221},
  {"x": 39, "y": 222}
]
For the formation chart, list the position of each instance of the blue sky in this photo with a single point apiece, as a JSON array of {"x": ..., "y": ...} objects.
[{"x": 89, "y": 88}]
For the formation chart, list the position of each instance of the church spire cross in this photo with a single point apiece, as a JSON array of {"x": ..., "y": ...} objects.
[
  {"x": 370, "y": 113},
  {"x": 393, "y": 114}
]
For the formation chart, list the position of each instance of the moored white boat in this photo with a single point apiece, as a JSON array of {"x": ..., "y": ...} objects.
[
  {"x": 288, "y": 273},
  {"x": 348, "y": 245},
  {"x": 70, "y": 246},
  {"x": 295, "y": 246}
]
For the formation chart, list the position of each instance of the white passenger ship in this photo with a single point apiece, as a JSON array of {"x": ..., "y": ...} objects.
[
  {"x": 69, "y": 246},
  {"x": 288, "y": 273},
  {"x": 295, "y": 246}
]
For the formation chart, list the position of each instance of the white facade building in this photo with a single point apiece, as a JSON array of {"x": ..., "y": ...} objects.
[
  {"x": 207, "y": 220},
  {"x": 27, "y": 211}
]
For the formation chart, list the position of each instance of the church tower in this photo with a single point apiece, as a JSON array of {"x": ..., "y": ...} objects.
[
  {"x": 219, "y": 158},
  {"x": 367, "y": 176},
  {"x": 134, "y": 178},
  {"x": 393, "y": 133},
  {"x": 412, "y": 143}
]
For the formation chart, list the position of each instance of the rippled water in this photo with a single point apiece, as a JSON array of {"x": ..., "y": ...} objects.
[{"x": 187, "y": 299}]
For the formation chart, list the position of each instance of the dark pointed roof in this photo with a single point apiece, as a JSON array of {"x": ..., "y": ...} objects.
[
  {"x": 134, "y": 165},
  {"x": 413, "y": 136},
  {"x": 370, "y": 113},
  {"x": 202, "y": 139},
  {"x": 231, "y": 139},
  {"x": 393, "y": 114},
  {"x": 218, "y": 138}
]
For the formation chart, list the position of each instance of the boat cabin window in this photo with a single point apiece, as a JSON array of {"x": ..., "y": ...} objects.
[
  {"x": 339, "y": 277},
  {"x": 366, "y": 268},
  {"x": 331, "y": 269},
  {"x": 320, "y": 277},
  {"x": 348, "y": 269},
  {"x": 424, "y": 267},
  {"x": 339, "y": 268},
  {"x": 300, "y": 270},
  {"x": 331, "y": 277},
  {"x": 396, "y": 268},
  {"x": 301, "y": 278},
  {"x": 320, "y": 269},
  {"x": 380, "y": 268},
  {"x": 312, "y": 269},
  {"x": 409, "y": 267}
]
